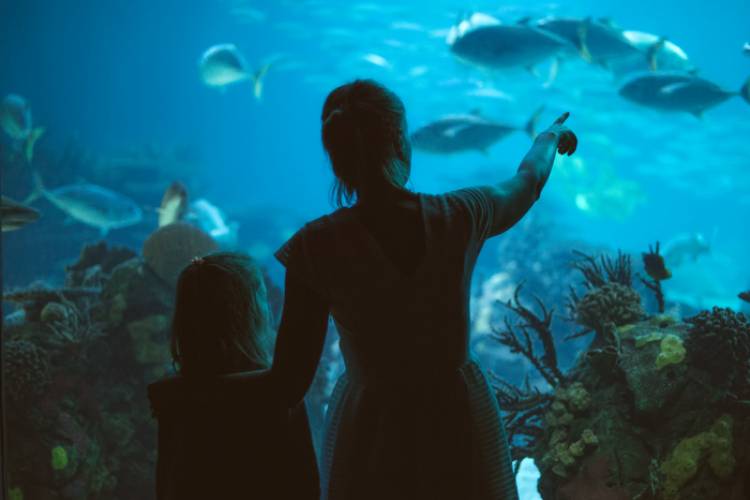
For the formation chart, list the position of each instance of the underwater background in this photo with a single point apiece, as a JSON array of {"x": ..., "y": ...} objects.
[{"x": 120, "y": 89}]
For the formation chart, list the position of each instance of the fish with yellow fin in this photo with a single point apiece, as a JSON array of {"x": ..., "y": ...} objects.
[{"x": 223, "y": 64}]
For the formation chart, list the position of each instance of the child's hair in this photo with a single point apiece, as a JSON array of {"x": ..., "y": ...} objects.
[{"x": 221, "y": 319}]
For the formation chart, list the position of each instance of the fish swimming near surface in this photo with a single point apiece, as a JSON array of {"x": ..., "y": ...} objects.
[
  {"x": 223, "y": 64},
  {"x": 174, "y": 204},
  {"x": 597, "y": 40},
  {"x": 499, "y": 46},
  {"x": 16, "y": 120},
  {"x": 14, "y": 215},
  {"x": 457, "y": 133},
  {"x": 744, "y": 296},
  {"x": 679, "y": 92},
  {"x": 686, "y": 247},
  {"x": 657, "y": 54},
  {"x": 91, "y": 204},
  {"x": 212, "y": 220}
]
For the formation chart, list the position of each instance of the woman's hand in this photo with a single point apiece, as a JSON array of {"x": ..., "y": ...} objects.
[{"x": 567, "y": 142}]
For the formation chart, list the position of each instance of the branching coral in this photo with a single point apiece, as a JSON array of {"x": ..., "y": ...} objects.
[
  {"x": 719, "y": 342},
  {"x": 653, "y": 263}
]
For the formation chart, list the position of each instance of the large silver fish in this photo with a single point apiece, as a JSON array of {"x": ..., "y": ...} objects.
[
  {"x": 506, "y": 46},
  {"x": 679, "y": 92},
  {"x": 686, "y": 247},
  {"x": 223, "y": 64},
  {"x": 597, "y": 41},
  {"x": 15, "y": 119},
  {"x": 657, "y": 54},
  {"x": 91, "y": 204},
  {"x": 14, "y": 215},
  {"x": 457, "y": 133}
]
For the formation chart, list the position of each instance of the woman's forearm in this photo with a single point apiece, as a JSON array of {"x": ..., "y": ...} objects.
[{"x": 539, "y": 160}]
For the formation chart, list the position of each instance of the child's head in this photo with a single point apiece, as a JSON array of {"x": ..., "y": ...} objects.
[{"x": 221, "y": 319}]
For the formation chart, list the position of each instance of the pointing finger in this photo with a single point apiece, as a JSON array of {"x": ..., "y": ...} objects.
[{"x": 562, "y": 118}]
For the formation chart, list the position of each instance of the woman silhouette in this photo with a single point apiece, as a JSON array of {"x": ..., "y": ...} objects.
[{"x": 413, "y": 417}]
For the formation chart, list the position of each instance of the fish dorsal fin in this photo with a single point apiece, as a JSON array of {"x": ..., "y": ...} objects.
[
  {"x": 606, "y": 21},
  {"x": 582, "y": 32},
  {"x": 524, "y": 21}
]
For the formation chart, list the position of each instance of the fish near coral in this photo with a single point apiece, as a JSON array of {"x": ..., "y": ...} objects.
[
  {"x": 14, "y": 215},
  {"x": 654, "y": 264},
  {"x": 744, "y": 296},
  {"x": 174, "y": 204}
]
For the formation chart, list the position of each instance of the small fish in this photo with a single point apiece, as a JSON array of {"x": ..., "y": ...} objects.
[
  {"x": 15, "y": 119},
  {"x": 90, "y": 204},
  {"x": 223, "y": 64},
  {"x": 174, "y": 204},
  {"x": 377, "y": 60},
  {"x": 744, "y": 296},
  {"x": 654, "y": 264},
  {"x": 679, "y": 92},
  {"x": 746, "y": 48},
  {"x": 686, "y": 247},
  {"x": 211, "y": 219},
  {"x": 14, "y": 215},
  {"x": 456, "y": 133}
]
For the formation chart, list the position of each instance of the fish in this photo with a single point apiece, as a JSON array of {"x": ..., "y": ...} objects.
[
  {"x": 686, "y": 247},
  {"x": 654, "y": 264},
  {"x": 211, "y": 219},
  {"x": 90, "y": 204},
  {"x": 174, "y": 204},
  {"x": 16, "y": 121},
  {"x": 679, "y": 92},
  {"x": 744, "y": 296},
  {"x": 597, "y": 41},
  {"x": 15, "y": 215},
  {"x": 465, "y": 132},
  {"x": 657, "y": 54},
  {"x": 223, "y": 64},
  {"x": 746, "y": 48},
  {"x": 498, "y": 46}
]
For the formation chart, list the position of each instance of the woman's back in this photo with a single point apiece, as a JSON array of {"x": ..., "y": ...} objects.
[{"x": 410, "y": 396}]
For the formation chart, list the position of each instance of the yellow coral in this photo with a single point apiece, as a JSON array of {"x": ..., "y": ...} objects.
[
  {"x": 59, "y": 458},
  {"x": 685, "y": 459},
  {"x": 588, "y": 437},
  {"x": 672, "y": 351},
  {"x": 576, "y": 449},
  {"x": 642, "y": 340}
]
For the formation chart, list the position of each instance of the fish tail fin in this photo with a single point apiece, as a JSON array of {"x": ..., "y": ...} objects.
[
  {"x": 38, "y": 189},
  {"x": 554, "y": 69},
  {"x": 258, "y": 78},
  {"x": 530, "y": 127},
  {"x": 31, "y": 142},
  {"x": 653, "y": 50},
  {"x": 745, "y": 91}
]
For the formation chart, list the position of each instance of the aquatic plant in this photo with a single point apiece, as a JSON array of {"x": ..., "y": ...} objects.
[{"x": 719, "y": 342}]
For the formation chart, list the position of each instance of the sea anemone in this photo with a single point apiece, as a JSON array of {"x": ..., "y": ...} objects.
[{"x": 609, "y": 304}]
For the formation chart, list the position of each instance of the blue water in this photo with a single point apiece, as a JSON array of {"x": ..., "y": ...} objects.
[{"x": 122, "y": 75}]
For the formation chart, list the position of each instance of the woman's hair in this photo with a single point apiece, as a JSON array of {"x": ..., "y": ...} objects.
[
  {"x": 364, "y": 134},
  {"x": 221, "y": 319}
]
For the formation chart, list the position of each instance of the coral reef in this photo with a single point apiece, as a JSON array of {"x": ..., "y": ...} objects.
[
  {"x": 719, "y": 342},
  {"x": 170, "y": 248},
  {"x": 95, "y": 264},
  {"x": 654, "y": 409},
  {"x": 26, "y": 371},
  {"x": 656, "y": 269}
]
